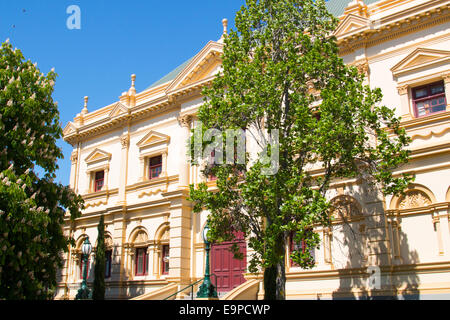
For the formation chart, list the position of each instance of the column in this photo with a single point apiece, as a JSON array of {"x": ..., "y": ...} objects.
[
  {"x": 404, "y": 103},
  {"x": 183, "y": 171}
]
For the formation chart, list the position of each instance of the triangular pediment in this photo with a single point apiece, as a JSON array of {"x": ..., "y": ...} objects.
[
  {"x": 98, "y": 155},
  {"x": 419, "y": 58},
  {"x": 203, "y": 66},
  {"x": 69, "y": 129},
  {"x": 153, "y": 138},
  {"x": 351, "y": 24},
  {"x": 118, "y": 109}
]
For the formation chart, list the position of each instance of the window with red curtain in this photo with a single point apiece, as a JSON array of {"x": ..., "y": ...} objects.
[
  {"x": 212, "y": 163},
  {"x": 298, "y": 246},
  {"x": 141, "y": 262},
  {"x": 99, "y": 180},
  {"x": 155, "y": 167},
  {"x": 429, "y": 99},
  {"x": 108, "y": 260},
  {"x": 165, "y": 259}
]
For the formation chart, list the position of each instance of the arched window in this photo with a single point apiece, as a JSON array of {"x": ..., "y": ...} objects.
[{"x": 139, "y": 241}]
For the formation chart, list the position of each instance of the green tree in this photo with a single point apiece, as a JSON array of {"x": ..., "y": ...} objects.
[
  {"x": 282, "y": 70},
  {"x": 32, "y": 209},
  {"x": 100, "y": 263}
]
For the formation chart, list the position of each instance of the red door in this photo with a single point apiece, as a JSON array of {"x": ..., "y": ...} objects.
[{"x": 229, "y": 271}]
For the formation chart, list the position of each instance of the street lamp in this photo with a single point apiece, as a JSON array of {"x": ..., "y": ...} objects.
[
  {"x": 84, "y": 292},
  {"x": 207, "y": 289}
]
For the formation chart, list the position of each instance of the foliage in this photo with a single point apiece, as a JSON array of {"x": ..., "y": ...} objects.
[
  {"x": 100, "y": 263},
  {"x": 282, "y": 70},
  {"x": 32, "y": 209}
]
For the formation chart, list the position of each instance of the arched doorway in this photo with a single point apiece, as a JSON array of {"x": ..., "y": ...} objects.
[{"x": 228, "y": 270}]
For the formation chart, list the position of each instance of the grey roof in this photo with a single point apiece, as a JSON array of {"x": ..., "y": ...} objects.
[
  {"x": 335, "y": 7},
  {"x": 171, "y": 75}
]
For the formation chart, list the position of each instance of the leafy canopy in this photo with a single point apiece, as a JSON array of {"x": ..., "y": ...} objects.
[
  {"x": 282, "y": 70},
  {"x": 32, "y": 209}
]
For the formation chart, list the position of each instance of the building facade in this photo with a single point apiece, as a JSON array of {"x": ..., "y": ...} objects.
[{"x": 130, "y": 165}]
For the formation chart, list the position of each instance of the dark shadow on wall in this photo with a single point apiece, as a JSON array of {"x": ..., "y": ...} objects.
[{"x": 371, "y": 244}]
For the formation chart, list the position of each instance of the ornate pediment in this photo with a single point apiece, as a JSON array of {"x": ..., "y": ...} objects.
[
  {"x": 98, "y": 155},
  {"x": 69, "y": 129},
  {"x": 118, "y": 109},
  {"x": 153, "y": 138},
  {"x": 204, "y": 65},
  {"x": 351, "y": 24},
  {"x": 420, "y": 58}
]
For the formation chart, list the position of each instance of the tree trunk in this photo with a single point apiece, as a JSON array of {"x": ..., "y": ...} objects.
[{"x": 275, "y": 277}]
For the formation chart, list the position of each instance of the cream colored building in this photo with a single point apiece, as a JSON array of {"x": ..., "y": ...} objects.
[{"x": 129, "y": 163}]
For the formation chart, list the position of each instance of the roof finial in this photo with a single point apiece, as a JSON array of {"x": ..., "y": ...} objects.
[
  {"x": 85, "y": 110},
  {"x": 225, "y": 26},
  {"x": 132, "y": 90},
  {"x": 133, "y": 80}
]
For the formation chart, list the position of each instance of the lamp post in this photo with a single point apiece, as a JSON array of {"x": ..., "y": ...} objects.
[
  {"x": 207, "y": 289},
  {"x": 84, "y": 292}
]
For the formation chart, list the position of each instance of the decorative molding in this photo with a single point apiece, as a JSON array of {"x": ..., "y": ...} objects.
[
  {"x": 363, "y": 68},
  {"x": 97, "y": 155},
  {"x": 420, "y": 58},
  {"x": 96, "y": 204},
  {"x": 185, "y": 120},
  {"x": 345, "y": 208},
  {"x": 153, "y": 138},
  {"x": 201, "y": 61},
  {"x": 350, "y": 25},
  {"x": 118, "y": 109},
  {"x": 69, "y": 129},
  {"x": 152, "y": 192},
  {"x": 125, "y": 141},
  {"x": 402, "y": 90},
  {"x": 74, "y": 157},
  {"x": 414, "y": 199}
]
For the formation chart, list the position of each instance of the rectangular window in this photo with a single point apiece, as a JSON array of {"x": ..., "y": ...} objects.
[
  {"x": 108, "y": 259},
  {"x": 155, "y": 167},
  {"x": 165, "y": 259},
  {"x": 298, "y": 246},
  {"x": 429, "y": 99},
  {"x": 141, "y": 262},
  {"x": 99, "y": 180},
  {"x": 212, "y": 163}
]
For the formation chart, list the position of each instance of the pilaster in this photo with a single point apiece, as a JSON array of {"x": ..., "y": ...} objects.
[
  {"x": 180, "y": 237},
  {"x": 125, "y": 142},
  {"x": 404, "y": 103},
  {"x": 185, "y": 124},
  {"x": 446, "y": 78}
]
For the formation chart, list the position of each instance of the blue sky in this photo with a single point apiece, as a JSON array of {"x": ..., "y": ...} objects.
[{"x": 116, "y": 39}]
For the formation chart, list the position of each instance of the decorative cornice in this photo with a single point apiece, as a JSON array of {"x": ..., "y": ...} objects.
[{"x": 396, "y": 25}]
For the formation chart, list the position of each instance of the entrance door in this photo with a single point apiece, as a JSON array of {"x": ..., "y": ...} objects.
[{"x": 229, "y": 271}]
